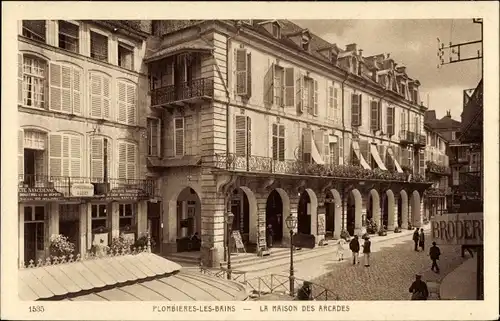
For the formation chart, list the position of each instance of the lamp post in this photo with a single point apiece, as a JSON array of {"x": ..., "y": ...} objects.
[
  {"x": 291, "y": 223},
  {"x": 229, "y": 221}
]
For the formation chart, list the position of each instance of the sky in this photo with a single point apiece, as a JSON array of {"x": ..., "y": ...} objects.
[{"x": 414, "y": 43}]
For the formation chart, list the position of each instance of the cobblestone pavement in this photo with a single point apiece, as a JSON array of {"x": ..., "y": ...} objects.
[{"x": 391, "y": 272}]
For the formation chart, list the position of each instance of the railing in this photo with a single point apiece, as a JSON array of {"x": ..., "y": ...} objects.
[
  {"x": 407, "y": 136},
  {"x": 222, "y": 272},
  {"x": 422, "y": 140},
  {"x": 203, "y": 87},
  {"x": 268, "y": 165},
  {"x": 437, "y": 168},
  {"x": 72, "y": 186}
]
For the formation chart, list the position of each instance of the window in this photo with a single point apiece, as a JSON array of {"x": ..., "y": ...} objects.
[
  {"x": 415, "y": 96},
  {"x": 289, "y": 87},
  {"x": 276, "y": 30},
  {"x": 68, "y": 36},
  {"x": 127, "y": 103},
  {"x": 243, "y": 72},
  {"x": 356, "y": 110},
  {"x": 278, "y": 142},
  {"x": 305, "y": 44},
  {"x": 125, "y": 56},
  {"x": 65, "y": 88},
  {"x": 99, "y": 95},
  {"x": 65, "y": 155},
  {"x": 99, "y": 216},
  {"x": 278, "y": 85},
  {"x": 243, "y": 136},
  {"x": 331, "y": 110},
  {"x": 98, "y": 46},
  {"x": 310, "y": 96},
  {"x": 100, "y": 159},
  {"x": 179, "y": 136},
  {"x": 153, "y": 128},
  {"x": 33, "y": 82},
  {"x": 127, "y": 160},
  {"x": 390, "y": 120},
  {"x": 336, "y": 116},
  {"x": 126, "y": 215},
  {"x": 403, "y": 90},
  {"x": 35, "y": 29},
  {"x": 453, "y": 135},
  {"x": 34, "y": 213},
  {"x": 403, "y": 121},
  {"x": 334, "y": 154},
  {"x": 375, "y": 112}
]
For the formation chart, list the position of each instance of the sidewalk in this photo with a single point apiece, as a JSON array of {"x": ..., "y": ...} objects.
[{"x": 461, "y": 283}]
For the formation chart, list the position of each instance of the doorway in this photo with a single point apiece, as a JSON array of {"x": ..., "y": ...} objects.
[
  {"x": 304, "y": 214},
  {"x": 34, "y": 233},
  {"x": 274, "y": 215},
  {"x": 154, "y": 225}
]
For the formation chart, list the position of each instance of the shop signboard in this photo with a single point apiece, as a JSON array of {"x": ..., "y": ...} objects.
[
  {"x": 458, "y": 229},
  {"x": 38, "y": 194},
  {"x": 127, "y": 194},
  {"x": 82, "y": 190}
]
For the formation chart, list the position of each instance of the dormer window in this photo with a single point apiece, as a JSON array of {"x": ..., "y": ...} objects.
[
  {"x": 305, "y": 43},
  {"x": 276, "y": 31},
  {"x": 403, "y": 90}
]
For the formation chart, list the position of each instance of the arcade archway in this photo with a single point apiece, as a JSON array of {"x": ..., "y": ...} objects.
[
  {"x": 277, "y": 208},
  {"x": 307, "y": 212},
  {"x": 373, "y": 208},
  {"x": 416, "y": 215},
  {"x": 188, "y": 209},
  {"x": 403, "y": 210},
  {"x": 353, "y": 217},
  {"x": 244, "y": 208},
  {"x": 333, "y": 207},
  {"x": 388, "y": 212}
]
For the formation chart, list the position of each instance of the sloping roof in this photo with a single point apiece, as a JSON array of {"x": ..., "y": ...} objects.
[
  {"x": 193, "y": 45},
  {"x": 52, "y": 281}
]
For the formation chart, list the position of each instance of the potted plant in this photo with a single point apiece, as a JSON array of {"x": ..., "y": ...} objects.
[
  {"x": 410, "y": 226},
  {"x": 397, "y": 229},
  {"x": 382, "y": 231},
  {"x": 120, "y": 244},
  {"x": 371, "y": 226},
  {"x": 142, "y": 242},
  {"x": 60, "y": 246}
]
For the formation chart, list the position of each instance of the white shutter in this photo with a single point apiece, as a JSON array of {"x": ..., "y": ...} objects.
[
  {"x": 95, "y": 95},
  {"x": 55, "y": 74},
  {"x": 315, "y": 106},
  {"x": 20, "y": 80},
  {"x": 281, "y": 142},
  {"x": 131, "y": 104},
  {"x": 299, "y": 84},
  {"x": 122, "y": 102},
  {"x": 77, "y": 91},
  {"x": 55, "y": 154},
  {"x": 330, "y": 111},
  {"x": 65, "y": 155},
  {"x": 122, "y": 160},
  {"x": 179, "y": 136},
  {"x": 341, "y": 149},
  {"x": 76, "y": 156},
  {"x": 97, "y": 159},
  {"x": 249, "y": 136},
  {"x": 241, "y": 71},
  {"x": 66, "y": 88},
  {"x": 240, "y": 135},
  {"x": 131, "y": 160},
  {"x": 275, "y": 141},
  {"x": 326, "y": 147},
  {"x": 106, "y": 97},
  {"x": 269, "y": 85},
  {"x": 336, "y": 104},
  {"x": 20, "y": 152},
  {"x": 289, "y": 87}
]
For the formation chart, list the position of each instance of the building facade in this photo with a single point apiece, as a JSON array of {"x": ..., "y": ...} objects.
[
  {"x": 82, "y": 105},
  {"x": 266, "y": 120}
]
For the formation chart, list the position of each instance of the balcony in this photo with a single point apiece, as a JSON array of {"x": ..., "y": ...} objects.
[
  {"x": 460, "y": 160},
  {"x": 420, "y": 141},
  {"x": 406, "y": 137},
  {"x": 267, "y": 166},
  {"x": 46, "y": 187},
  {"x": 437, "y": 169},
  {"x": 189, "y": 92}
]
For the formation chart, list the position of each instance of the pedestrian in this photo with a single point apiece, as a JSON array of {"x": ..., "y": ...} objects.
[
  {"x": 434, "y": 253},
  {"x": 269, "y": 236},
  {"x": 418, "y": 289},
  {"x": 340, "y": 249},
  {"x": 421, "y": 239},
  {"x": 415, "y": 239},
  {"x": 354, "y": 247},
  {"x": 367, "y": 251},
  {"x": 305, "y": 292}
]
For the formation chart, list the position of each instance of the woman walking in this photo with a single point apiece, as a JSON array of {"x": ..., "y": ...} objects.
[
  {"x": 421, "y": 239},
  {"x": 367, "y": 251},
  {"x": 340, "y": 249}
]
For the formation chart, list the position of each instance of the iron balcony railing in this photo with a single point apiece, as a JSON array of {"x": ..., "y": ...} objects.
[
  {"x": 72, "y": 186},
  {"x": 422, "y": 140},
  {"x": 406, "y": 136},
  {"x": 202, "y": 87},
  {"x": 268, "y": 165}
]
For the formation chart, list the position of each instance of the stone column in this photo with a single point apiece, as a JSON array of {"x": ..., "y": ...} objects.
[
  {"x": 170, "y": 227},
  {"x": 142, "y": 218},
  {"x": 213, "y": 229},
  {"x": 89, "y": 226},
  {"x": 83, "y": 229},
  {"x": 115, "y": 220},
  {"x": 20, "y": 220},
  {"x": 53, "y": 220},
  {"x": 321, "y": 219},
  {"x": 183, "y": 217}
]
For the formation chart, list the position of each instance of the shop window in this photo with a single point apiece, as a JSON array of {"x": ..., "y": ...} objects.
[
  {"x": 126, "y": 215},
  {"x": 69, "y": 36},
  {"x": 99, "y": 216}
]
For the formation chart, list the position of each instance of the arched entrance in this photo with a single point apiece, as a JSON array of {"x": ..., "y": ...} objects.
[
  {"x": 353, "y": 217},
  {"x": 403, "y": 209},
  {"x": 416, "y": 215},
  {"x": 274, "y": 215},
  {"x": 373, "y": 208},
  {"x": 333, "y": 207},
  {"x": 244, "y": 208},
  {"x": 388, "y": 214},
  {"x": 188, "y": 209}
]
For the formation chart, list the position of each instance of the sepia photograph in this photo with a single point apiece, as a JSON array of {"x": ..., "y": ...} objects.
[{"x": 218, "y": 161}]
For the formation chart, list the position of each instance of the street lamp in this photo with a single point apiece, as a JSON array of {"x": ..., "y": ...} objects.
[
  {"x": 229, "y": 221},
  {"x": 291, "y": 223}
]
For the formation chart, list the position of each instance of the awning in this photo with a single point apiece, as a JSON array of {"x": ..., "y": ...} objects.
[
  {"x": 362, "y": 161},
  {"x": 398, "y": 167},
  {"x": 376, "y": 157},
  {"x": 316, "y": 156},
  {"x": 68, "y": 279},
  {"x": 193, "y": 45}
]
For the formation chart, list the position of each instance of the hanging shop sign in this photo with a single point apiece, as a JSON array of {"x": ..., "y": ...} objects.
[
  {"x": 38, "y": 194},
  {"x": 126, "y": 194},
  {"x": 458, "y": 228}
]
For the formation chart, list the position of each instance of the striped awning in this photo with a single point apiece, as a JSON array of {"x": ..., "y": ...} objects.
[
  {"x": 362, "y": 161},
  {"x": 376, "y": 157},
  {"x": 398, "y": 167}
]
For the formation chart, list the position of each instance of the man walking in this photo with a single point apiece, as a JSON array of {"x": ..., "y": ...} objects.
[
  {"x": 418, "y": 289},
  {"x": 434, "y": 253},
  {"x": 354, "y": 247},
  {"x": 367, "y": 251},
  {"x": 421, "y": 239},
  {"x": 415, "y": 238}
]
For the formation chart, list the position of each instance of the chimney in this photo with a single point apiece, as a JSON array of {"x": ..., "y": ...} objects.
[
  {"x": 448, "y": 113},
  {"x": 360, "y": 52},
  {"x": 351, "y": 47}
]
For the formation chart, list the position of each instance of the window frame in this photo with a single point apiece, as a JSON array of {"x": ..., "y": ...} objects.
[
  {"x": 77, "y": 43},
  {"x": 131, "y": 50},
  {"x": 43, "y": 78},
  {"x": 176, "y": 130},
  {"x": 93, "y": 54},
  {"x": 123, "y": 217},
  {"x": 39, "y": 38},
  {"x": 278, "y": 137},
  {"x": 98, "y": 217},
  {"x": 150, "y": 133}
]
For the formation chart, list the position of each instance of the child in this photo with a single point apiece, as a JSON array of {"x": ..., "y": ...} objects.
[{"x": 340, "y": 249}]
